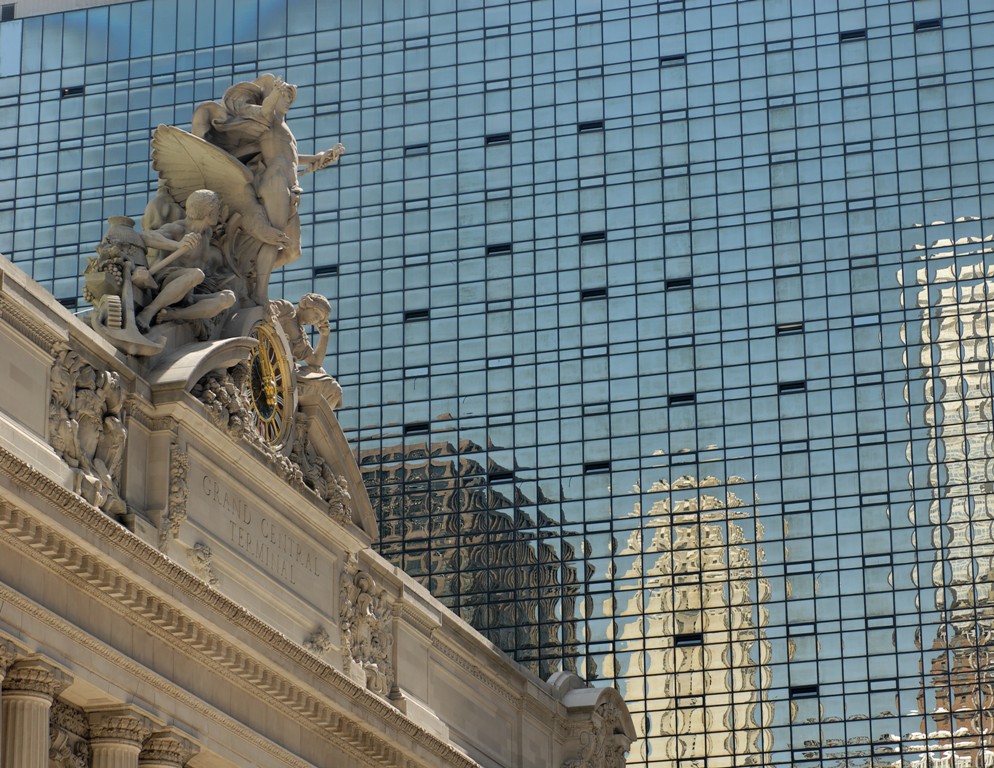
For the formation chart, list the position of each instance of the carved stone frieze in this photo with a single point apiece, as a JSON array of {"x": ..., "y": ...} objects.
[
  {"x": 318, "y": 642},
  {"x": 367, "y": 638},
  {"x": 201, "y": 558},
  {"x": 86, "y": 428},
  {"x": 179, "y": 465},
  {"x": 603, "y": 742}
]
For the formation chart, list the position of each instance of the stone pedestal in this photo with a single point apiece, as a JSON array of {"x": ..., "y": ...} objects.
[
  {"x": 116, "y": 737},
  {"x": 29, "y": 688},
  {"x": 166, "y": 749}
]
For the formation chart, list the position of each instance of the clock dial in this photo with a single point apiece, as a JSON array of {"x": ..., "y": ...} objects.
[{"x": 271, "y": 386}]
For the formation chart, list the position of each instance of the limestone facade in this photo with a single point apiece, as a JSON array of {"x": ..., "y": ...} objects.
[{"x": 173, "y": 593}]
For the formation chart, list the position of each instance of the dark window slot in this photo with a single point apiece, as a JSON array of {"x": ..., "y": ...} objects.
[
  {"x": 804, "y": 691},
  {"x": 592, "y": 237},
  {"x": 498, "y": 249},
  {"x": 72, "y": 90},
  {"x": 596, "y": 467},
  {"x": 673, "y": 60},
  {"x": 497, "y": 138},
  {"x": 326, "y": 271},
  {"x": 679, "y": 283},
  {"x": 416, "y": 314},
  {"x": 69, "y": 302},
  {"x": 852, "y": 34},
  {"x": 686, "y": 399},
  {"x": 927, "y": 24},
  {"x": 500, "y": 476},
  {"x": 593, "y": 293},
  {"x": 785, "y": 329},
  {"x": 591, "y": 125},
  {"x": 789, "y": 387},
  {"x": 417, "y": 428},
  {"x": 688, "y": 639},
  {"x": 416, "y": 149}
]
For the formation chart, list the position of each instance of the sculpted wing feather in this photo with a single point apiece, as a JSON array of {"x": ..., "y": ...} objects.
[{"x": 186, "y": 163}]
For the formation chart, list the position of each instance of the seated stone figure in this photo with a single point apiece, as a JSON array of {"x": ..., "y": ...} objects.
[
  {"x": 312, "y": 309},
  {"x": 179, "y": 254}
]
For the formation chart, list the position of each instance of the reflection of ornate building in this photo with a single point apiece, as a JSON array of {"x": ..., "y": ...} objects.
[
  {"x": 953, "y": 294},
  {"x": 444, "y": 518},
  {"x": 701, "y": 599}
]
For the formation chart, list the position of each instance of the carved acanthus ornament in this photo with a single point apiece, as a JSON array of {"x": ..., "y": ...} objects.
[
  {"x": 225, "y": 394},
  {"x": 603, "y": 742},
  {"x": 34, "y": 676},
  {"x": 123, "y": 725},
  {"x": 367, "y": 640},
  {"x": 201, "y": 558},
  {"x": 166, "y": 748},
  {"x": 86, "y": 428},
  {"x": 68, "y": 732},
  {"x": 179, "y": 465}
]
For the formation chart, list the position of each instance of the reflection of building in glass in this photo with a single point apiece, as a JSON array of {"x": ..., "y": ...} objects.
[
  {"x": 955, "y": 287},
  {"x": 457, "y": 522},
  {"x": 694, "y": 622}
]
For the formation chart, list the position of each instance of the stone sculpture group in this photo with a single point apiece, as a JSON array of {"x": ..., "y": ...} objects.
[{"x": 225, "y": 216}]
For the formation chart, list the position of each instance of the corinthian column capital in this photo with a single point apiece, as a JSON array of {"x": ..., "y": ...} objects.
[
  {"x": 166, "y": 749},
  {"x": 34, "y": 676},
  {"x": 123, "y": 725}
]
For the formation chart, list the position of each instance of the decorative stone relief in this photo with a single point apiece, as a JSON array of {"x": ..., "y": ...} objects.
[
  {"x": 317, "y": 474},
  {"x": 179, "y": 465},
  {"x": 225, "y": 394},
  {"x": 603, "y": 742},
  {"x": 318, "y": 642},
  {"x": 367, "y": 639},
  {"x": 201, "y": 559},
  {"x": 86, "y": 428},
  {"x": 68, "y": 733}
]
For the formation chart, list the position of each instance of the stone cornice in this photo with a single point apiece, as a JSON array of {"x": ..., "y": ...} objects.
[
  {"x": 265, "y": 680},
  {"x": 13, "y": 312}
]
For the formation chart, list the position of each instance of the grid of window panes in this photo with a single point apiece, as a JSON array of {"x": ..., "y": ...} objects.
[{"x": 662, "y": 326}]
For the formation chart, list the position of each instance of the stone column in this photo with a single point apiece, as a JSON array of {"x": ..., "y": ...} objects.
[
  {"x": 28, "y": 691},
  {"x": 166, "y": 749},
  {"x": 7, "y": 656},
  {"x": 116, "y": 737}
]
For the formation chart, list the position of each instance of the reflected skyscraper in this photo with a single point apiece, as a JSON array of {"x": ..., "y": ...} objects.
[{"x": 663, "y": 326}]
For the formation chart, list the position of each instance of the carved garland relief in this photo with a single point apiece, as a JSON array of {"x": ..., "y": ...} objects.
[{"x": 367, "y": 637}]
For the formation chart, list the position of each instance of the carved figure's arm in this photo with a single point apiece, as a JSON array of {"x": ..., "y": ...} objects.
[{"x": 316, "y": 358}]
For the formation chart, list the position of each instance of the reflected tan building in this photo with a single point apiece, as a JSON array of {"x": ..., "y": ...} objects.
[
  {"x": 954, "y": 290},
  {"x": 696, "y": 628}
]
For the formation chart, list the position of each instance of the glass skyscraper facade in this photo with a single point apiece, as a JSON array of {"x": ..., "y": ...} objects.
[{"x": 663, "y": 326}]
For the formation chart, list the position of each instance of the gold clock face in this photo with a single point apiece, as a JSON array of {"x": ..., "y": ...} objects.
[{"x": 272, "y": 388}]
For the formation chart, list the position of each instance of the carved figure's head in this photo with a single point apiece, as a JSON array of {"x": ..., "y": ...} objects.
[
  {"x": 204, "y": 205},
  {"x": 313, "y": 309},
  {"x": 240, "y": 95}
]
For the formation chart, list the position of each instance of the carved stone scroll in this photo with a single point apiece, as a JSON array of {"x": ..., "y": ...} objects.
[{"x": 367, "y": 639}]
